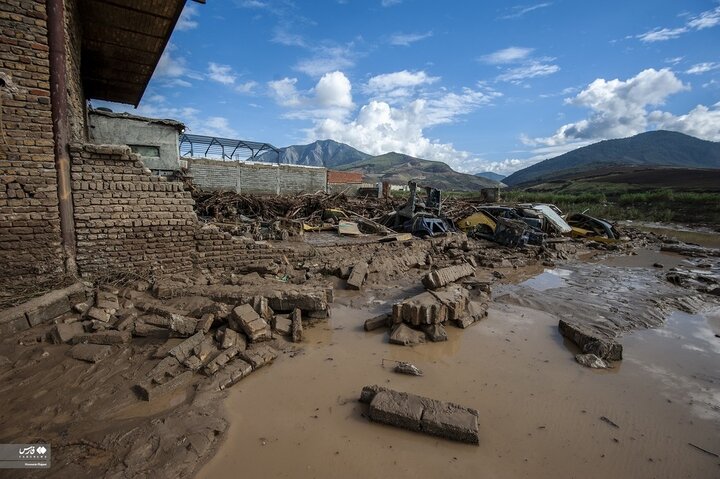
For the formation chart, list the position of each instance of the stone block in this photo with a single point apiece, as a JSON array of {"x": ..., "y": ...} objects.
[
  {"x": 103, "y": 337},
  {"x": 296, "y": 326},
  {"x": 358, "y": 275},
  {"x": 406, "y": 336},
  {"x": 590, "y": 340},
  {"x": 444, "y": 276},
  {"x": 381, "y": 321},
  {"x": 251, "y": 323},
  {"x": 65, "y": 332},
  {"x": 91, "y": 353}
]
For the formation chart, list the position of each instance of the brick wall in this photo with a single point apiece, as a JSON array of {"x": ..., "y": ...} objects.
[
  {"x": 76, "y": 97},
  {"x": 127, "y": 219},
  {"x": 30, "y": 250},
  {"x": 344, "y": 177},
  {"x": 130, "y": 221},
  {"x": 256, "y": 178}
]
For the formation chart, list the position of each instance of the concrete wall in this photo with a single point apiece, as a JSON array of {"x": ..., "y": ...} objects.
[
  {"x": 30, "y": 252},
  {"x": 119, "y": 129},
  {"x": 256, "y": 178}
]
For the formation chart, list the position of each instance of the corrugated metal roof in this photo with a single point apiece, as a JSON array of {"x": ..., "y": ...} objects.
[{"x": 122, "y": 41}]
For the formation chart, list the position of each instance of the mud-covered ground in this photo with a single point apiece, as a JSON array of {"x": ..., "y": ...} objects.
[{"x": 541, "y": 413}]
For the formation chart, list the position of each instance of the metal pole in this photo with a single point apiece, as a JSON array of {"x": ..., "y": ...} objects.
[{"x": 61, "y": 129}]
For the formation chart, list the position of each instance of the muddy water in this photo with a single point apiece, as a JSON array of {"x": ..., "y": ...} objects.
[
  {"x": 539, "y": 410},
  {"x": 703, "y": 237}
]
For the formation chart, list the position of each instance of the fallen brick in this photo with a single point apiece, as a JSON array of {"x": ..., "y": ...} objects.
[
  {"x": 435, "y": 332},
  {"x": 258, "y": 355},
  {"x": 590, "y": 341},
  {"x": 104, "y": 337},
  {"x": 65, "y": 332},
  {"x": 381, "y": 321},
  {"x": 417, "y": 413},
  {"x": 283, "y": 324},
  {"x": 406, "y": 336},
  {"x": 296, "y": 326},
  {"x": 251, "y": 323},
  {"x": 91, "y": 353},
  {"x": 232, "y": 374},
  {"x": 150, "y": 392},
  {"x": 220, "y": 360},
  {"x": 444, "y": 276},
  {"x": 99, "y": 314},
  {"x": 183, "y": 350},
  {"x": 358, "y": 275}
]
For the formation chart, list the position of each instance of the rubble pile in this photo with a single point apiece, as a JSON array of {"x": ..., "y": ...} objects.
[{"x": 222, "y": 332}]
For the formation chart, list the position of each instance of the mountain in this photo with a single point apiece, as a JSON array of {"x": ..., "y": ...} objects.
[
  {"x": 399, "y": 169},
  {"x": 326, "y": 153},
  {"x": 653, "y": 148},
  {"x": 491, "y": 176}
]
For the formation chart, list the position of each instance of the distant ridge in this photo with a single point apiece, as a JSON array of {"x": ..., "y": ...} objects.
[
  {"x": 491, "y": 175},
  {"x": 326, "y": 153},
  {"x": 652, "y": 148},
  {"x": 399, "y": 169}
]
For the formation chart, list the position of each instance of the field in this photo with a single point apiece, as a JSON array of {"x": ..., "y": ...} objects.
[{"x": 618, "y": 201}]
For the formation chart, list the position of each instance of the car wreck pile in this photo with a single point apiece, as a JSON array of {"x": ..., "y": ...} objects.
[{"x": 283, "y": 217}]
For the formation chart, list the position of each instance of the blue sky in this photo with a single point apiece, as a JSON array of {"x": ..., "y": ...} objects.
[{"x": 480, "y": 85}]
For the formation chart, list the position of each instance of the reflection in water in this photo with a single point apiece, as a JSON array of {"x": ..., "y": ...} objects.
[
  {"x": 683, "y": 355},
  {"x": 548, "y": 279}
]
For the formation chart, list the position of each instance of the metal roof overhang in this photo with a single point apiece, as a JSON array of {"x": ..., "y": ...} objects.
[{"x": 122, "y": 41}]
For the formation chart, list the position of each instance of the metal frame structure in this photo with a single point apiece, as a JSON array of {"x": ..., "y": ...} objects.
[{"x": 200, "y": 146}]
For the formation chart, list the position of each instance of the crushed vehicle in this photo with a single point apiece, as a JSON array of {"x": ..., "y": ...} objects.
[
  {"x": 421, "y": 218},
  {"x": 508, "y": 229},
  {"x": 588, "y": 226}
]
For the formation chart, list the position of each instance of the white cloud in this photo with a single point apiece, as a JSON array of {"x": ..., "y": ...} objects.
[
  {"x": 380, "y": 127},
  {"x": 253, "y": 4},
  {"x": 221, "y": 73},
  {"x": 177, "y": 82},
  {"x": 169, "y": 65},
  {"x": 326, "y": 59},
  {"x": 620, "y": 109},
  {"x": 246, "y": 87},
  {"x": 284, "y": 92},
  {"x": 186, "y": 22},
  {"x": 284, "y": 37},
  {"x": 706, "y": 19},
  {"x": 531, "y": 70},
  {"x": 216, "y": 126},
  {"x": 701, "y": 121},
  {"x": 527, "y": 67},
  {"x": 661, "y": 34},
  {"x": 674, "y": 60},
  {"x": 521, "y": 10},
  {"x": 703, "y": 68},
  {"x": 334, "y": 91},
  {"x": 330, "y": 98},
  {"x": 406, "y": 39},
  {"x": 398, "y": 84},
  {"x": 390, "y": 3},
  {"x": 507, "y": 55}
]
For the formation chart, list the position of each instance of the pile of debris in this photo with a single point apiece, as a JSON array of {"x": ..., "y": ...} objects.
[
  {"x": 223, "y": 332},
  {"x": 425, "y": 315}
]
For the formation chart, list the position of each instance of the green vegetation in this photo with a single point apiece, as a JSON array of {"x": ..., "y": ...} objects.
[{"x": 623, "y": 201}]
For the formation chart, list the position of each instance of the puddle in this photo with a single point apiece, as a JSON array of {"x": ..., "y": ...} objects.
[
  {"x": 539, "y": 410},
  {"x": 683, "y": 356},
  {"x": 707, "y": 238},
  {"x": 548, "y": 279}
]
